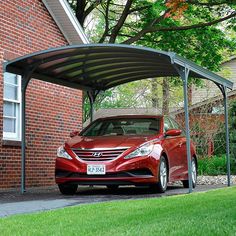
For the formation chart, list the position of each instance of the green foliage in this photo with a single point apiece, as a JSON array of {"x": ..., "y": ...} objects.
[
  {"x": 215, "y": 165},
  {"x": 134, "y": 95},
  {"x": 131, "y": 95},
  {"x": 203, "y": 46},
  {"x": 143, "y": 23}
]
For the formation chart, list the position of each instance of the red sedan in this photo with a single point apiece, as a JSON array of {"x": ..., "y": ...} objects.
[{"x": 125, "y": 150}]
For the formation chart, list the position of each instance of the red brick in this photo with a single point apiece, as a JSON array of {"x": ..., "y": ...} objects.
[{"x": 52, "y": 111}]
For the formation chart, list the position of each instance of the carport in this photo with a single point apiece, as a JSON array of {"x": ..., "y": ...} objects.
[{"x": 97, "y": 67}]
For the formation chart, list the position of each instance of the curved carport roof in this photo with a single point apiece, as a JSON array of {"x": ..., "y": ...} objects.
[
  {"x": 97, "y": 67},
  {"x": 102, "y": 66}
]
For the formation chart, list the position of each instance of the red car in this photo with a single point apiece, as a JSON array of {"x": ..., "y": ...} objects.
[{"x": 125, "y": 150}]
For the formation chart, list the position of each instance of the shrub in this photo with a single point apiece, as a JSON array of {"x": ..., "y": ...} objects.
[
  {"x": 200, "y": 138},
  {"x": 219, "y": 141},
  {"x": 215, "y": 165}
]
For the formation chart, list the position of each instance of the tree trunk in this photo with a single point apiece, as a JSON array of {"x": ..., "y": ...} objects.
[
  {"x": 80, "y": 11},
  {"x": 166, "y": 96},
  {"x": 154, "y": 94}
]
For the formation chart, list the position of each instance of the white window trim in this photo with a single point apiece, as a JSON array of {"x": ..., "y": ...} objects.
[{"x": 9, "y": 135}]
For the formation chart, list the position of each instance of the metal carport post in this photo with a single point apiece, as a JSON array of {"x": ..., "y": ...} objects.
[
  {"x": 184, "y": 73},
  {"x": 224, "y": 92},
  {"x": 92, "y": 97},
  {"x": 98, "y": 67},
  {"x": 183, "y": 70},
  {"x": 24, "y": 83}
]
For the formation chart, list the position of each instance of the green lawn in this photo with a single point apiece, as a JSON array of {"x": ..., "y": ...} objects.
[{"x": 208, "y": 213}]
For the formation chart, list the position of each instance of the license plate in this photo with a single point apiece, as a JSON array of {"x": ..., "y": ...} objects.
[{"x": 96, "y": 170}]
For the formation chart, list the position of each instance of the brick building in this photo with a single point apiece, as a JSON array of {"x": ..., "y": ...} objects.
[
  {"x": 207, "y": 111},
  {"x": 52, "y": 111}
]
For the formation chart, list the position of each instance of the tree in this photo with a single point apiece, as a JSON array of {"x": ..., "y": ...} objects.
[
  {"x": 190, "y": 28},
  {"x": 126, "y": 21}
]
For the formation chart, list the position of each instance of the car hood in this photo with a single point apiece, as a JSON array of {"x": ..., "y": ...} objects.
[{"x": 107, "y": 141}]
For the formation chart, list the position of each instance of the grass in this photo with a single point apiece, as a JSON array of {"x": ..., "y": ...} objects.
[{"x": 207, "y": 213}]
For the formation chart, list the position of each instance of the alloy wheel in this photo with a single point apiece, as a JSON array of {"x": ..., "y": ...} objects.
[
  {"x": 163, "y": 174},
  {"x": 194, "y": 172}
]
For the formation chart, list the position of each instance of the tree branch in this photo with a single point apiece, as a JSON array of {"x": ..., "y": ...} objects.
[
  {"x": 145, "y": 30},
  {"x": 91, "y": 7},
  {"x": 138, "y": 9},
  {"x": 120, "y": 22},
  {"x": 175, "y": 28},
  {"x": 79, "y": 11},
  {"x": 106, "y": 23},
  {"x": 200, "y": 25},
  {"x": 125, "y": 35}
]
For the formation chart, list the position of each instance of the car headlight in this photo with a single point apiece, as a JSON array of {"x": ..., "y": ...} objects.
[
  {"x": 144, "y": 150},
  {"x": 61, "y": 152}
]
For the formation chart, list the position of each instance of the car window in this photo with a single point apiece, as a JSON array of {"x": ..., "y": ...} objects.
[
  {"x": 125, "y": 126},
  {"x": 95, "y": 129}
]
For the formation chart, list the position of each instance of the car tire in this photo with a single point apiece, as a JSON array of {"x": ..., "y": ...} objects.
[
  {"x": 161, "y": 185},
  {"x": 68, "y": 189},
  {"x": 113, "y": 186},
  {"x": 194, "y": 175}
]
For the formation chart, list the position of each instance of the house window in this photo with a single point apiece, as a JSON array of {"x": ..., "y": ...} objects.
[{"x": 12, "y": 107}]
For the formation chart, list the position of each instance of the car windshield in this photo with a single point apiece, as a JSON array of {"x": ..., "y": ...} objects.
[{"x": 123, "y": 126}]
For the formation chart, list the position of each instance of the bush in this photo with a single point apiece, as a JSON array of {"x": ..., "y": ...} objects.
[
  {"x": 220, "y": 141},
  {"x": 215, "y": 165},
  {"x": 200, "y": 138},
  {"x": 219, "y": 137}
]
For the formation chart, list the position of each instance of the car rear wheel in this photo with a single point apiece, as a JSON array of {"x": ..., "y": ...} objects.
[
  {"x": 113, "y": 186},
  {"x": 161, "y": 186},
  {"x": 194, "y": 175},
  {"x": 68, "y": 189}
]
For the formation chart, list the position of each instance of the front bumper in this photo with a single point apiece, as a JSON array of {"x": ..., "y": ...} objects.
[{"x": 137, "y": 171}]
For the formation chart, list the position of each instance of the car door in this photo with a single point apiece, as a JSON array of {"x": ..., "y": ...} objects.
[
  {"x": 175, "y": 148},
  {"x": 183, "y": 149}
]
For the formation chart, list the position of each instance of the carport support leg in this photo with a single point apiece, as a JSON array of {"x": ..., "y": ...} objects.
[
  {"x": 92, "y": 97},
  {"x": 91, "y": 101},
  {"x": 184, "y": 72},
  {"x": 23, "y": 92},
  {"x": 227, "y": 133},
  {"x": 24, "y": 82}
]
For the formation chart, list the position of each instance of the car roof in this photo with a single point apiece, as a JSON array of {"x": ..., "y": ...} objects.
[{"x": 130, "y": 116}]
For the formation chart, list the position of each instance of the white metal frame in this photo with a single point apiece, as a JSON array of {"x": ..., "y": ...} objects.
[{"x": 16, "y": 136}]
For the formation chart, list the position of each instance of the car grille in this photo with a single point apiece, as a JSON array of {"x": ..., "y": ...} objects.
[{"x": 99, "y": 154}]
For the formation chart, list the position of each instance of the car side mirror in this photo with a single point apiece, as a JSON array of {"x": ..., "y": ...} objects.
[
  {"x": 74, "y": 133},
  {"x": 173, "y": 132}
]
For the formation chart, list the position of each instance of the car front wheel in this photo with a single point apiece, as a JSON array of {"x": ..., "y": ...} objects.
[
  {"x": 68, "y": 189},
  {"x": 194, "y": 175},
  {"x": 161, "y": 186}
]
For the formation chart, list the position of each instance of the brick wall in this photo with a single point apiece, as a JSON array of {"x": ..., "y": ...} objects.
[{"x": 52, "y": 111}]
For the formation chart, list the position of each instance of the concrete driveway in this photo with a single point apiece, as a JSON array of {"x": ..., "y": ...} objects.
[{"x": 42, "y": 199}]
